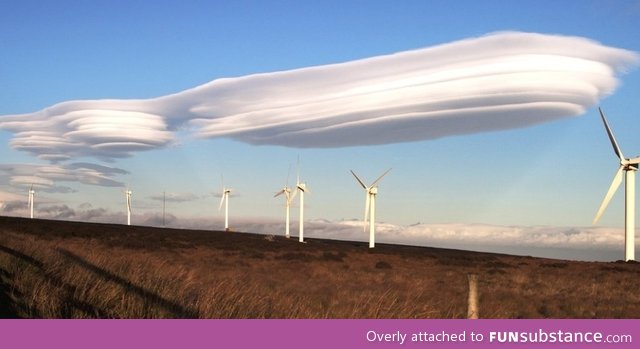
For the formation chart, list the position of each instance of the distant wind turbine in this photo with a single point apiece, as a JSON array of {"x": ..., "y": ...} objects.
[
  {"x": 31, "y": 199},
  {"x": 370, "y": 206},
  {"x": 127, "y": 194},
  {"x": 629, "y": 167},
  {"x": 225, "y": 200},
  {"x": 288, "y": 196},
  {"x": 301, "y": 188}
]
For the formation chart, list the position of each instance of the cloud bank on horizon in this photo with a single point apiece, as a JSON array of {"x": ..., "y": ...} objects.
[
  {"x": 498, "y": 81},
  {"x": 581, "y": 243}
]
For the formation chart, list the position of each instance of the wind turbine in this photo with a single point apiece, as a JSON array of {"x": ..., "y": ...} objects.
[
  {"x": 31, "y": 199},
  {"x": 225, "y": 200},
  {"x": 288, "y": 196},
  {"x": 301, "y": 188},
  {"x": 370, "y": 206},
  {"x": 629, "y": 167},
  {"x": 127, "y": 194}
]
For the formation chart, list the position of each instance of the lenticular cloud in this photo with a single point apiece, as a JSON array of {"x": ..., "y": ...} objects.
[{"x": 499, "y": 81}]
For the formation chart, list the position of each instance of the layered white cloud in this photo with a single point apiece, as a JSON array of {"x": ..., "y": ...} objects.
[
  {"x": 175, "y": 197},
  {"x": 499, "y": 81},
  {"x": 48, "y": 177},
  {"x": 103, "y": 129},
  {"x": 495, "y": 82}
]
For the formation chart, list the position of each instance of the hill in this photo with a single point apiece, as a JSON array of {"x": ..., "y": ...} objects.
[{"x": 58, "y": 269}]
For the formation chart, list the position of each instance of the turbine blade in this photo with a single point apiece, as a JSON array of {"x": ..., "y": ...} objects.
[
  {"x": 617, "y": 179},
  {"x": 221, "y": 201},
  {"x": 298, "y": 169},
  {"x": 279, "y": 193},
  {"x": 379, "y": 178},
  {"x": 292, "y": 196},
  {"x": 612, "y": 138},
  {"x": 367, "y": 205},
  {"x": 359, "y": 180}
]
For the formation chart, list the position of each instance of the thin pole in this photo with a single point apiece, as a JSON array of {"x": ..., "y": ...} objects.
[
  {"x": 164, "y": 204},
  {"x": 472, "y": 312}
]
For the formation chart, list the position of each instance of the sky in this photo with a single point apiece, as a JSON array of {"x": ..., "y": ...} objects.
[{"x": 170, "y": 96}]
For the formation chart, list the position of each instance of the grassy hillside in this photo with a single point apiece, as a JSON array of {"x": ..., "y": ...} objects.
[{"x": 55, "y": 269}]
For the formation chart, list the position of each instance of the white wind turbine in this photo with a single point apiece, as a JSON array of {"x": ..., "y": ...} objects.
[
  {"x": 301, "y": 188},
  {"x": 288, "y": 196},
  {"x": 629, "y": 167},
  {"x": 32, "y": 194},
  {"x": 127, "y": 194},
  {"x": 370, "y": 206},
  {"x": 225, "y": 200}
]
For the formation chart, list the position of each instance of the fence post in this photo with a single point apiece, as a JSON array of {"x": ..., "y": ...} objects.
[{"x": 472, "y": 312}]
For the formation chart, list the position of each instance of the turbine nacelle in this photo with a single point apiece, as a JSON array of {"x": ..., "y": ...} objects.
[
  {"x": 285, "y": 191},
  {"x": 287, "y": 194},
  {"x": 128, "y": 194},
  {"x": 226, "y": 192},
  {"x": 630, "y": 164}
]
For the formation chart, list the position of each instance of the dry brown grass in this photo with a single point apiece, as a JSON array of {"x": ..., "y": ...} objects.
[{"x": 73, "y": 270}]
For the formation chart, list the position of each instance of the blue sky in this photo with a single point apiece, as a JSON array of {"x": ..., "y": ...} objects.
[{"x": 552, "y": 174}]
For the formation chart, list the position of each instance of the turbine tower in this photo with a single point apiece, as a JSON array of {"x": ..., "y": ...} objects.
[
  {"x": 32, "y": 194},
  {"x": 288, "y": 196},
  {"x": 629, "y": 168},
  {"x": 370, "y": 206},
  {"x": 127, "y": 194},
  {"x": 301, "y": 188},
  {"x": 225, "y": 200}
]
